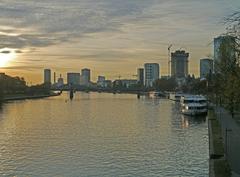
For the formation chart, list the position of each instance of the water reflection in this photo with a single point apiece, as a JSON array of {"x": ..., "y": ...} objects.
[{"x": 100, "y": 134}]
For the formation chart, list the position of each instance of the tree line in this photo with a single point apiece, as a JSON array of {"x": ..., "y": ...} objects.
[{"x": 17, "y": 86}]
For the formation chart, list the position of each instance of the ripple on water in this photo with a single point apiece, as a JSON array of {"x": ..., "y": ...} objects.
[{"x": 101, "y": 135}]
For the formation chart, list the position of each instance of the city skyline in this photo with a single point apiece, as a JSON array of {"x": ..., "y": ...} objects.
[{"x": 109, "y": 38}]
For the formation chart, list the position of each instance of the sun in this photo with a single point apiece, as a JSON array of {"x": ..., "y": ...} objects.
[{"x": 6, "y": 55}]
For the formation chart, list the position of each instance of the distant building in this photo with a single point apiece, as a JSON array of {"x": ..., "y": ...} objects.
[
  {"x": 218, "y": 41},
  {"x": 107, "y": 84},
  {"x": 60, "y": 82},
  {"x": 140, "y": 76},
  {"x": 127, "y": 83},
  {"x": 179, "y": 64},
  {"x": 100, "y": 81},
  {"x": 206, "y": 67},
  {"x": 47, "y": 76},
  {"x": 152, "y": 71},
  {"x": 86, "y": 77},
  {"x": 73, "y": 79},
  {"x": 101, "y": 78}
]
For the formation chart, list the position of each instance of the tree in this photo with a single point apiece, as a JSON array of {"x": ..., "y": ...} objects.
[
  {"x": 228, "y": 73},
  {"x": 165, "y": 84}
]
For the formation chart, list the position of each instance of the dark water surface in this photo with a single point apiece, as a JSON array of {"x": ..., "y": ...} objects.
[{"x": 100, "y": 134}]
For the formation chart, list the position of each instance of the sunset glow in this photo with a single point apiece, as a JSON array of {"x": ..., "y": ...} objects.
[{"x": 6, "y": 55}]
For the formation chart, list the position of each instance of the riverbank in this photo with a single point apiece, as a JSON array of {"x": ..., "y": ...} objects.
[
  {"x": 218, "y": 166},
  {"x": 25, "y": 97}
]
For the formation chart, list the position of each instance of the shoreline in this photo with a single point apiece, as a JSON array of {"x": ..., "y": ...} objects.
[
  {"x": 28, "y": 97},
  {"x": 218, "y": 166}
]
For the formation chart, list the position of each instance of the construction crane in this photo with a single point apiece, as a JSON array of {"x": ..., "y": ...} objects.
[{"x": 169, "y": 59}]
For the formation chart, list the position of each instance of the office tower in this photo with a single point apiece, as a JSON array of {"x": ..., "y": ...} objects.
[
  {"x": 47, "y": 76},
  {"x": 140, "y": 76},
  {"x": 206, "y": 67},
  {"x": 86, "y": 76},
  {"x": 179, "y": 64},
  {"x": 151, "y": 73},
  {"x": 73, "y": 79}
]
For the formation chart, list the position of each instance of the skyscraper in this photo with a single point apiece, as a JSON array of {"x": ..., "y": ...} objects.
[
  {"x": 73, "y": 79},
  {"x": 47, "y": 76},
  {"x": 86, "y": 76},
  {"x": 151, "y": 73},
  {"x": 140, "y": 76},
  {"x": 206, "y": 67},
  {"x": 179, "y": 64}
]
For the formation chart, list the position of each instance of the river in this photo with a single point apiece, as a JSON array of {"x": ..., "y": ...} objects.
[{"x": 101, "y": 134}]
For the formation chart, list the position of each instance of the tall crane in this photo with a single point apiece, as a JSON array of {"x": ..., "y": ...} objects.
[{"x": 169, "y": 58}]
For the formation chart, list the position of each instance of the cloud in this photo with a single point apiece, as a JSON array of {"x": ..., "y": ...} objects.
[
  {"x": 23, "y": 67},
  {"x": 50, "y": 22},
  {"x": 18, "y": 51},
  {"x": 45, "y": 23},
  {"x": 106, "y": 30},
  {"x": 5, "y": 51}
]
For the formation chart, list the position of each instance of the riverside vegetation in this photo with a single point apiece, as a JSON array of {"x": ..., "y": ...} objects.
[{"x": 16, "y": 87}]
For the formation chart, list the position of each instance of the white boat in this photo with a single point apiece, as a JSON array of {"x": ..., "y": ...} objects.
[
  {"x": 186, "y": 99},
  {"x": 194, "y": 109},
  {"x": 194, "y": 105}
]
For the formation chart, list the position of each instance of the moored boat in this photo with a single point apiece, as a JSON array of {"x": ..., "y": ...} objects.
[
  {"x": 194, "y": 105},
  {"x": 186, "y": 99},
  {"x": 194, "y": 109}
]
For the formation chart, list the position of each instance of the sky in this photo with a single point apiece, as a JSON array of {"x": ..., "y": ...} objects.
[{"x": 111, "y": 37}]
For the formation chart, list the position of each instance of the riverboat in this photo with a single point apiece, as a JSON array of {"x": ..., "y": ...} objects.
[{"x": 194, "y": 105}]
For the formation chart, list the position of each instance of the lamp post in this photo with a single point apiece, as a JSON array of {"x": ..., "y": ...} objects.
[{"x": 227, "y": 131}]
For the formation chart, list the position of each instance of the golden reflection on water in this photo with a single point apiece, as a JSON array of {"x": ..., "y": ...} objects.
[
  {"x": 99, "y": 135},
  {"x": 185, "y": 122}
]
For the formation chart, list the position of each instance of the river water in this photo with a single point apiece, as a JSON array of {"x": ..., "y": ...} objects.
[{"x": 101, "y": 134}]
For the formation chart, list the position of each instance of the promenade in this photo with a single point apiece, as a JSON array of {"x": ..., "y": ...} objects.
[{"x": 231, "y": 138}]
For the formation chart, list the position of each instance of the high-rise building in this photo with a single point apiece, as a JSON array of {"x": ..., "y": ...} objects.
[
  {"x": 86, "y": 76},
  {"x": 140, "y": 76},
  {"x": 206, "y": 67},
  {"x": 218, "y": 41},
  {"x": 47, "y": 76},
  {"x": 151, "y": 73},
  {"x": 73, "y": 79},
  {"x": 179, "y": 64}
]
